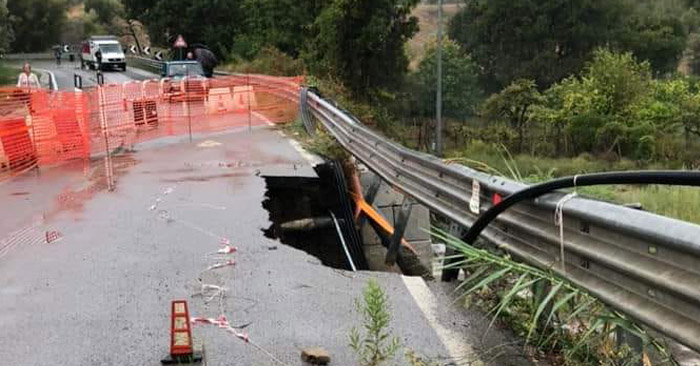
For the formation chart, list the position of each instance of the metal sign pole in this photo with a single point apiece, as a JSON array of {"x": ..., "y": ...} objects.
[{"x": 438, "y": 106}]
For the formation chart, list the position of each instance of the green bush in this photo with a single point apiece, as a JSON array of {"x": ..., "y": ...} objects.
[{"x": 269, "y": 61}]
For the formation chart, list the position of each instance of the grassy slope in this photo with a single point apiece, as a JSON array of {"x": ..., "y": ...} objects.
[{"x": 427, "y": 21}]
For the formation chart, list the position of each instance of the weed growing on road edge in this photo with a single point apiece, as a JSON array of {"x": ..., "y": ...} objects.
[
  {"x": 551, "y": 313},
  {"x": 376, "y": 346},
  {"x": 322, "y": 144}
]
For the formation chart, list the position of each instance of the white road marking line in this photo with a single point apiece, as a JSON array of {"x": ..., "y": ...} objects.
[
  {"x": 265, "y": 119},
  {"x": 312, "y": 159},
  {"x": 453, "y": 341}
]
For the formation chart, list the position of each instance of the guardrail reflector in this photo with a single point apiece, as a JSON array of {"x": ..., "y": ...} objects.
[{"x": 496, "y": 199}]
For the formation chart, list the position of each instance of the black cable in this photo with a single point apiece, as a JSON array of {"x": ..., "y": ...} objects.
[{"x": 678, "y": 178}]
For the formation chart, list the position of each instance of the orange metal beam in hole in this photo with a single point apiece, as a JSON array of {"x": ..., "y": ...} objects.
[{"x": 361, "y": 206}]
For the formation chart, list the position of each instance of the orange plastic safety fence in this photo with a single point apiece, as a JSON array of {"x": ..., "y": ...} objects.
[{"x": 41, "y": 127}]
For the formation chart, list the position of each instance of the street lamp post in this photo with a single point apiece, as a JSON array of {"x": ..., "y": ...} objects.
[{"x": 438, "y": 99}]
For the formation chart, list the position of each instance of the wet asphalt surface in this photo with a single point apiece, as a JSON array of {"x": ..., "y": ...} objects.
[
  {"x": 100, "y": 295},
  {"x": 66, "y": 71}
]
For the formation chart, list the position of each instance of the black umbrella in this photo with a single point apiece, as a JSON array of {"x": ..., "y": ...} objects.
[{"x": 207, "y": 59}]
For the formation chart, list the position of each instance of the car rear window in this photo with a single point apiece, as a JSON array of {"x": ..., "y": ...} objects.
[
  {"x": 179, "y": 70},
  {"x": 110, "y": 48}
]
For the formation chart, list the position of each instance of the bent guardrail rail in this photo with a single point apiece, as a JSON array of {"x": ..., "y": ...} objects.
[{"x": 645, "y": 265}]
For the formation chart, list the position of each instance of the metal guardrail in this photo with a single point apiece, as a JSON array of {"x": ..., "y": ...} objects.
[
  {"x": 30, "y": 56},
  {"x": 144, "y": 63},
  {"x": 642, "y": 264}
]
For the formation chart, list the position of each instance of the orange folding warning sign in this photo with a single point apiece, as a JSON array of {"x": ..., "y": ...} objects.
[
  {"x": 180, "y": 42},
  {"x": 180, "y": 332}
]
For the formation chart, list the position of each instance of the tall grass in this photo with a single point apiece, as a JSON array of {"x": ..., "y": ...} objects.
[
  {"x": 548, "y": 311},
  {"x": 676, "y": 202}
]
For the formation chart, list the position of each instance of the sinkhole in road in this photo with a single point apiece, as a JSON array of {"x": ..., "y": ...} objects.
[{"x": 300, "y": 212}]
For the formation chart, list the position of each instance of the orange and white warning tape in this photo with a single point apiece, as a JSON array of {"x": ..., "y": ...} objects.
[{"x": 223, "y": 323}]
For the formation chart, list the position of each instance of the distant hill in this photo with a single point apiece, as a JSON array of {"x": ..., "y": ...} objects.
[{"x": 427, "y": 21}]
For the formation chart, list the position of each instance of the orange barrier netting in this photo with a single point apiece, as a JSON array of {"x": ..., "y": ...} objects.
[{"x": 41, "y": 127}]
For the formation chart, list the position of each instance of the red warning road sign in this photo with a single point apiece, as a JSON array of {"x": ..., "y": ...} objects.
[{"x": 180, "y": 42}]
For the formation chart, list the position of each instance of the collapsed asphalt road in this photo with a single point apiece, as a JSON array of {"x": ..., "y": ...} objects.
[{"x": 101, "y": 294}]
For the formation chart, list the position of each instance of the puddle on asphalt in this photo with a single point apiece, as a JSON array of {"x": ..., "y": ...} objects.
[{"x": 73, "y": 200}]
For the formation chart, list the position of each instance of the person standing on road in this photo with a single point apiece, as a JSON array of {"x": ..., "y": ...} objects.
[
  {"x": 27, "y": 79},
  {"x": 57, "y": 55},
  {"x": 98, "y": 58}
]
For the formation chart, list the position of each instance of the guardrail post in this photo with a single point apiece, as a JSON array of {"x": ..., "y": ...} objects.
[
  {"x": 451, "y": 273},
  {"x": 370, "y": 196},
  {"x": 306, "y": 117},
  {"x": 399, "y": 229},
  {"x": 78, "y": 81}
]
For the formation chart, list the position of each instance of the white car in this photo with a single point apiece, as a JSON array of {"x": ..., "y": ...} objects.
[{"x": 111, "y": 50}]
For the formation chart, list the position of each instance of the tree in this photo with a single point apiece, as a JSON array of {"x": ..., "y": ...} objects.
[
  {"x": 212, "y": 22},
  {"x": 690, "y": 117},
  {"x": 37, "y": 23},
  {"x": 614, "y": 106},
  {"x": 515, "y": 104},
  {"x": 361, "y": 43},
  {"x": 460, "y": 86},
  {"x": 283, "y": 24},
  {"x": 6, "y": 33},
  {"x": 654, "y": 36},
  {"x": 545, "y": 40},
  {"x": 548, "y": 40},
  {"x": 105, "y": 10},
  {"x": 138, "y": 9}
]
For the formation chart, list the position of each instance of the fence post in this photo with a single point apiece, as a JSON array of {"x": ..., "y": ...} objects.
[
  {"x": 248, "y": 90},
  {"x": 103, "y": 124},
  {"x": 187, "y": 102}
]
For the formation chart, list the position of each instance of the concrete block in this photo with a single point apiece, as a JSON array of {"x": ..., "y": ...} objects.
[
  {"x": 418, "y": 223},
  {"x": 375, "y": 255}
]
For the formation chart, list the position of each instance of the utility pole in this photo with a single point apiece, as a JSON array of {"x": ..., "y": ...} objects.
[
  {"x": 130, "y": 22},
  {"x": 438, "y": 104}
]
